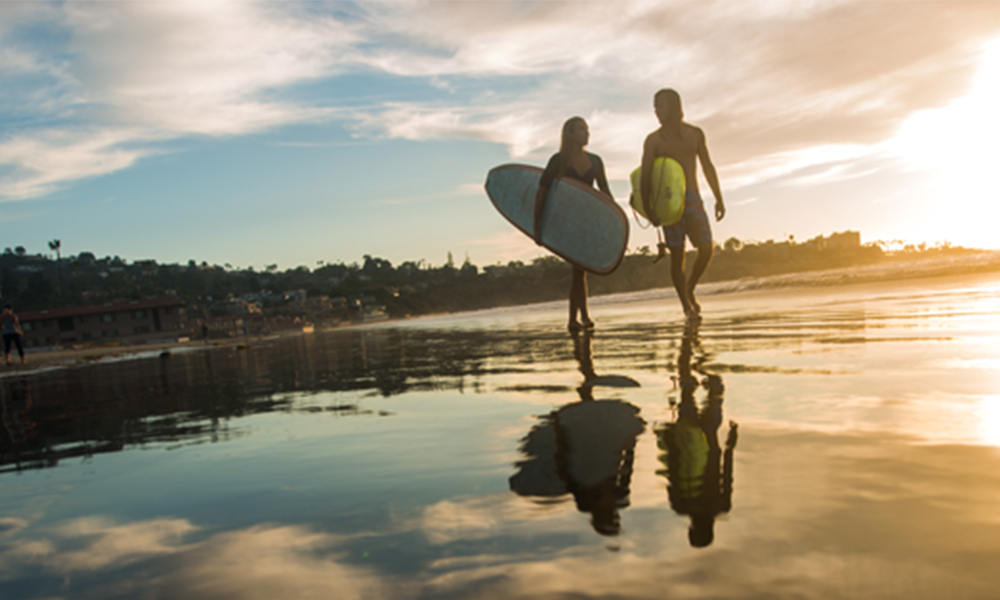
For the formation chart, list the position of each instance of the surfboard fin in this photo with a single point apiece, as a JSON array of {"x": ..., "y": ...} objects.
[{"x": 661, "y": 251}]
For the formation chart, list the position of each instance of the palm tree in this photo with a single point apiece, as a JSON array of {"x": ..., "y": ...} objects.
[{"x": 56, "y": 245}]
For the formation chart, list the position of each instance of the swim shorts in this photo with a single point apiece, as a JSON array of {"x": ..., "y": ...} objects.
[{"x": 693, "y": 224}]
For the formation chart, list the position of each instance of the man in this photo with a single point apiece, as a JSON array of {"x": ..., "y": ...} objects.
[{"x": 684, "y": 143}]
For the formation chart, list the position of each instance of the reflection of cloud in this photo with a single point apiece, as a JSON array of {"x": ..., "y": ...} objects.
[
  {"x": 447, "y": 521},
  {"x": 10, "y": 525},
  {"x": 103, "y": 544},
  {"x": 819, "y": 515},
  {"x": 260, "y": 562}
]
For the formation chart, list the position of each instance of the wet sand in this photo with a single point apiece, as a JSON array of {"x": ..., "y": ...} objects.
[{"x": 801, "y": 442}]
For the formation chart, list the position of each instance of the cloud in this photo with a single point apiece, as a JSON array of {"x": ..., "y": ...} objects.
[
  {"x": 46, "y": 160},
  {"x": 767, "y": 82},
  {"x": 137, "y": 74}
]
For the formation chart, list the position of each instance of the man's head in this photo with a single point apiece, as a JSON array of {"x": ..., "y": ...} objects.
[
  {"x": 667, "y": 105},
  {"x": 8, "y": 308}
]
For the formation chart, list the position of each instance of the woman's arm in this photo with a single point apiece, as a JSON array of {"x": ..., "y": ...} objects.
[
  {"x": 602, "y": 178},
  {"x": 540, "y": 196},
  {"x": 548, "y": 180}
]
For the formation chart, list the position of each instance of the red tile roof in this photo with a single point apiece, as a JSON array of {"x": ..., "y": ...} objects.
[{"x": 96, "y": 309}]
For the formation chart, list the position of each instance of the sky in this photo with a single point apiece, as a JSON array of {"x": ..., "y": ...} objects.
[{"x": 295, "y": 133}]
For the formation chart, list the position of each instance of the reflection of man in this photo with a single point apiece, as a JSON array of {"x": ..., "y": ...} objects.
[
  {"x": 16, "y": 425},
  {"x": 698, "y": 486},
  {"x": 584, "y": 448}
]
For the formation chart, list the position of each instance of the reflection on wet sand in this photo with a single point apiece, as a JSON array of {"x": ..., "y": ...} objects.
[
  {"x": 697, "y": 486},
  {"x": 585, "y": 448},
  {"x": 867, "y": 467}
]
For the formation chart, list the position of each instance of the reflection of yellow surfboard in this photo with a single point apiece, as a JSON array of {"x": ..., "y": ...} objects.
[{"x": 668, "y": 187}]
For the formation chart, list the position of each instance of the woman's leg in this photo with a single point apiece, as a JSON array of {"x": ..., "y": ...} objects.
[
  {"x": 578, "y": 298},
  {"x": 574, "y": 304}
]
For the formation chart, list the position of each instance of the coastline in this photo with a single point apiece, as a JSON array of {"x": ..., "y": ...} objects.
[
  {"x": 75, "y": 357},
  {"x": 899, "y": 270}
]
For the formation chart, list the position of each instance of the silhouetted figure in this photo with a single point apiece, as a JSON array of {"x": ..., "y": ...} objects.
[
  {"x": 698, "y": 485},
  {"x": 585, "y": 449},
  {"x": 17, "y": 425},
  {"x": 572, "y": 161},
  {"x": 686, "y": 144},
  {"x": 12, "y": 333}
]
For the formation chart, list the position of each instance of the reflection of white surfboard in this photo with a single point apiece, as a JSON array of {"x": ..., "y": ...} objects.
[
  {"x": 668, "y": 189},
  {"x": 620, "y": 381},
  {"x": 580, "y": 224}
]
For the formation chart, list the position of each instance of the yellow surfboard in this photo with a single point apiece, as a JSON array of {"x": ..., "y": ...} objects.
[{"x": 668, "y": 187}]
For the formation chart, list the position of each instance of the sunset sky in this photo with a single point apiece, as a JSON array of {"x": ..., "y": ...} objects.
[{"x": 256, "y": 133}]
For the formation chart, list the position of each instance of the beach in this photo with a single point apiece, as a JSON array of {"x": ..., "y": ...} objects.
[{"x": 804, "y": 440}]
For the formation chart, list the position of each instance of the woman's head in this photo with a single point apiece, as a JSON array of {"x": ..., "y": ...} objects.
[{"x": 575, "y": 134}]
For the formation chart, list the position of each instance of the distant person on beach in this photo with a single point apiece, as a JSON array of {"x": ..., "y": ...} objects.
[
  {"x": 699, "y": 472},
  {"x": 12, "y": 333},
  {"x": 686, "y": 144},
  {"x": 572, "y": 161}
]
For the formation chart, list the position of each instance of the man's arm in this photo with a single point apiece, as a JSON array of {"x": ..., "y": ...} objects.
[
  {"x": 645, "y": 185},
  {"x": 713, "y": 179}
]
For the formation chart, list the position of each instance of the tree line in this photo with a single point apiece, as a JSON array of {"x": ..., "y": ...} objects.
[{"x": 36, "y": 282}]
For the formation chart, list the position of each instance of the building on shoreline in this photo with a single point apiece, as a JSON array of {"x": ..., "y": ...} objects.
[{"x": 134, "y": 322}]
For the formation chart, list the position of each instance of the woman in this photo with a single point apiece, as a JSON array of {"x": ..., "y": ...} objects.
[
  {"x": 12, "y": 333},
  {"x": 572, "y": 161}
]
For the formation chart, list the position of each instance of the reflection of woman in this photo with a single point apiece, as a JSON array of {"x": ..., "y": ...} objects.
[
  {"x": 699, "y": 486},
  {"x": 572, "y": 161},
  {"x": 585, "y": 448}
]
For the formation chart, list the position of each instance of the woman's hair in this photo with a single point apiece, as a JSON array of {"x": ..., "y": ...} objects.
[
  {"x": 564, "y": 145},
  {"x": 563, "y": 142}
]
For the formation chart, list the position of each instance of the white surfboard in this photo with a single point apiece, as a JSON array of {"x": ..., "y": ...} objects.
[{"x": 580, "y": 224}]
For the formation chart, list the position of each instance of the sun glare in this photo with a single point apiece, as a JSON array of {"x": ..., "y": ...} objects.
[
  {"x": 958, "y": 145},
  {"x": 989, "y": 420}
]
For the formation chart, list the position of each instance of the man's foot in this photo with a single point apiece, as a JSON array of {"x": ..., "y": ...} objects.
[
  {"x": 692, "y": 315},
  {"x": 693, "y": 303},
  {"x": 587, "y": 324},
  {"x": 574, "y": 326}
]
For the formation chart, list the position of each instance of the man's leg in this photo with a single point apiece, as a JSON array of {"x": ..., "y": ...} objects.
[
  {"x": 700, "y": 264},
  {"x": 678, "y": 276}
]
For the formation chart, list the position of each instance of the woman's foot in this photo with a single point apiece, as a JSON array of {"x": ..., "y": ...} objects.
[
  {"x": 587, "y": 324},
  {"x": 574, "y": 326}
]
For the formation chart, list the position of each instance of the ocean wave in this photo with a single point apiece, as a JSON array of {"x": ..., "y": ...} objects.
[{"x": 893, "y": 268}]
